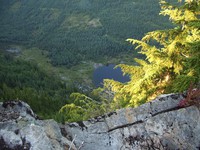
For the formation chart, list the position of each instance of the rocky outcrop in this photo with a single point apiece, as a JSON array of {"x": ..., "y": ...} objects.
[
  {"x": 159, "y": 124},
  {"x": 21, "y": 129}
]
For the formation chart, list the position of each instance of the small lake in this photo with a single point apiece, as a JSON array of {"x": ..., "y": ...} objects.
[{"x": 108, "y": 72}]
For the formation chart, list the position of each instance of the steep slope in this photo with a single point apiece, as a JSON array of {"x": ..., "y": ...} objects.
[{"x": 80, "y": 29}]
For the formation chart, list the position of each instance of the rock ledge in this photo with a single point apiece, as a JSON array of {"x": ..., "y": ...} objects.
[{"x": 159, "y": 124}]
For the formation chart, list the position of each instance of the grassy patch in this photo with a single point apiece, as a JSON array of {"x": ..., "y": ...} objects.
[{"x": 79, "y": 73}]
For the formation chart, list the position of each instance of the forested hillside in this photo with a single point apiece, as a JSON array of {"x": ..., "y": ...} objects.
[
  {"x": 75, "y": 30},
  {"x": 23, "y": 80},
  {"x": 172, "y": 65},
  {"x": 66, "y": 33}
]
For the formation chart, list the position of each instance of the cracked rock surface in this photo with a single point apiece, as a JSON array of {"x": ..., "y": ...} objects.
[
  {"x": 159, "y": 124},
  {"x": 20, "y": 129}
]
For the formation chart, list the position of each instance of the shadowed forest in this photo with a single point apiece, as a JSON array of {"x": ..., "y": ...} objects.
[
  {"x": 48, "y": 50},
  {"x": 73, "y": 31}
]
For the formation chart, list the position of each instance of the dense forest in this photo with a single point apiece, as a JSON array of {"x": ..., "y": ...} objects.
[
  {"x": 21, "y": 80},
  {"x": 76, "y": 30},
  {"x": 72, "y": 32}
]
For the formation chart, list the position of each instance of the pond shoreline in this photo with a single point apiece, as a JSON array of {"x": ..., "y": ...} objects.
[{"x": 108, "y": 72}]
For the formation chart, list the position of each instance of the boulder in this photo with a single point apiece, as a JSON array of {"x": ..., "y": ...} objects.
[
  {"x": 21, "y": 129},
  {"x": 159, "y": 124}
]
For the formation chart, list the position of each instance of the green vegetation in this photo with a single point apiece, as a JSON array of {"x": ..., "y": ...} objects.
[
  {"x": 169, "y": 67},
  {"x": 79, "y": 73},
  {"x": 81, "y": 108},
  {"x": 172, "y": 63},
  {"x": 28, "y": 75},
  {"x": 62, "y": 40},
  {"x": 25, "y": 81},
  {"x": 73, "y": 31}
]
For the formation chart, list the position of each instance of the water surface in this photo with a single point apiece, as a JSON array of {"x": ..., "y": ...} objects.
[{"x": 108, "y": 72}]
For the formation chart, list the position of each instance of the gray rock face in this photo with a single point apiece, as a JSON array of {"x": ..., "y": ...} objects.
[
  {"x": 21, "y": 129},
  {"x": 159, "y": 124}
]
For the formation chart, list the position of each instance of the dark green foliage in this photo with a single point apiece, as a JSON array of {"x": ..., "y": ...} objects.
[
  {"x": 76, "y": 30},
  {"x": 25, "y": 81}
]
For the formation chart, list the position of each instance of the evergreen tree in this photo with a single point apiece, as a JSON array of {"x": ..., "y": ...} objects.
[
  {"x": 82, "y": 108},
  {"x": 172, "y": 63},
  {"x": 172, "y": 58}
]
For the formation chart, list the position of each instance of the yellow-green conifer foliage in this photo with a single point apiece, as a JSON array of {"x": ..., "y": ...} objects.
[
  {"x": 172, "y": 58},
  {"x": 82, "y": 108}
]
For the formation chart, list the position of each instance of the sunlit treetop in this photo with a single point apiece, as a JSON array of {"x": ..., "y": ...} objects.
[{"x": 172, "y": 57}]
